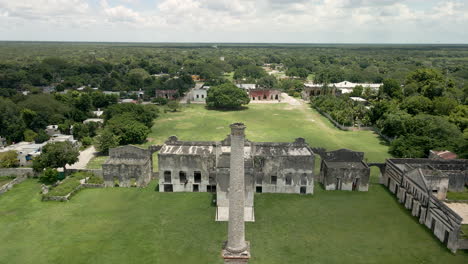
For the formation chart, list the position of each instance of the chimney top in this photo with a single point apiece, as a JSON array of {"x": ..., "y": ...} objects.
[{"x": 237, "y": 129}]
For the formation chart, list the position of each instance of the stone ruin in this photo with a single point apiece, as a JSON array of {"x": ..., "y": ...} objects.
[
  {"x": 344, "y": 169},
  {"x": 128, "y": 166}
]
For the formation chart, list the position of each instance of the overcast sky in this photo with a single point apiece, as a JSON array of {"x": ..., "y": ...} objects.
[{"x": 285, "y": 21}]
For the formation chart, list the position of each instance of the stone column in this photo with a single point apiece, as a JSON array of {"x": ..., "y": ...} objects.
[{"x": 236, "y": 249}]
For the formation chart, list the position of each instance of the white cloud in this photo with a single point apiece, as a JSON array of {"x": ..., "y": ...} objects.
[{"x": 248, "y": 20}]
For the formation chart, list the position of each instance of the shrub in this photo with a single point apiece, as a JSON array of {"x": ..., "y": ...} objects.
[
  {"x": 95, "y": 180},
  {"x": 49, "y": 176},
  {"x": 9, "y": 159},
  {"x": 160, "y": 101}
]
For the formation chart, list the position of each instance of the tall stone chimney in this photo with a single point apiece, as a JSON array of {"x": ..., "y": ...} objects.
[{"x": 236, "y": 250}]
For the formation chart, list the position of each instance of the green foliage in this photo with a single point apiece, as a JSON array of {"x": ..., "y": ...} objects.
[
  {"x": 342, "y": 109},
  {"x": 127, "y": 129},
  {"x": 41, "y": 137},
  {"x": 49, "y": 176},
  {"x": 105, "y": 141},
  {"x": 160, "y": 101},
  {"x": 249, "y": 71},
  {"x": 56, "y": 155},
  {"x": 392, "y": 88},
  {"x": 93, "y": 179},
  {"x": 297, "y": 72},
  {"x": 444, "y": 105},
  {"x": 425, "y": 132},
  {"x": 142, "y": 113},
  {"x": 268, "y": 82},
  {"x": 173, "y": 105},
  {"x": 9, "y": 159},
  {"x": 417, "y": 105},
  {"x": 357, "y": 91},
  {"x": 29, "y": 135},
  {"x": 459, "y": 116},
  {"x": 428, "y": 82},
  {"x": 11, "y": 123},
  {"x": 68, "y": 184},
  {"x": 226, "y": 96}
]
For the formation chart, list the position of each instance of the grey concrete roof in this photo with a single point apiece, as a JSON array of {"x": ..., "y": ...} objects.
[{"x": 345, "y": 164}]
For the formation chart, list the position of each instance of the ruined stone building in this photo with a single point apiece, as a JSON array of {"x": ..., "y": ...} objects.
[
  {"x": 344, "y": 169},
  {"x": 127, "y": 166},
  {"x": 420, "y": 184},
  {"x": 203, "y": 166}
]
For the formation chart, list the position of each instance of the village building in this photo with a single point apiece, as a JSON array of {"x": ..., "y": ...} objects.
[
  {"x": 420, "y": 184},
  {"x": 344, "y": 169},
  {"x": 247, "y": 86},
  {"x": 26, "y": 151},
  {"x": 264, "y": 95},
  {"x": 345, "y": 87},
  {"x": 52, "y": 130},
  {"x": 168, "y": 94},
  {"x": 94, "y": 120},
  {"x": 199, "y": 93},
  {"x": 128, "y": 166}
]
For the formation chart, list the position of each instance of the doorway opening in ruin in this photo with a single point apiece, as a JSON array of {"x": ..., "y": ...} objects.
[
  {"x": 168, "y": 188},
  {"x": 195, "y": 188},
  {"x": 276, "y": 97},
  {"x": 167, "y": 176},
  {"x": 396, "y": 189},
  {"x": 259, "y": 98},
  {"x": 274, "y": 179},
  {"x": 258, "y": 189},
  {"x": 133, "y": 182},
  {"x": 288, "y": 180},
  {"x": 264, "y": 97},
  {"x": 116, "y": 181},
  {"x": 304, "y": 179},
  {"x": 338, "y": 184},
  {"x": 356, "y": 184},
  {"x": 197, "y": 176},
  {"x": 388, "y": 183},
  {"x": 446, "y": 237},
  {"x": 303, "y": 190},
  {"x": 183, "y": 177},
  {"x": 211, "y": 188},
  {"x": 433, "y": 225},
  {"x": 253, "y": 98}
]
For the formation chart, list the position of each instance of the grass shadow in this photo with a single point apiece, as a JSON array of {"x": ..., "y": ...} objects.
[{"x": 242, "y": 108}]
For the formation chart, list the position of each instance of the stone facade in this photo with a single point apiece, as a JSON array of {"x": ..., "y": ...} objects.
[
  {"x": 264, "y": 95},
  {"x": 203, "y": 166},
  {"x": 168, "y": 94},
  {"x": 344, "y": 169},
  {"x": 418, "y": 186},
  {"x": 127, "y": 164}
]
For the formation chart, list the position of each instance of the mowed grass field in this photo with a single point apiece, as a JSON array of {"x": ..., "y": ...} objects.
[{"x": 130, "y": 225}]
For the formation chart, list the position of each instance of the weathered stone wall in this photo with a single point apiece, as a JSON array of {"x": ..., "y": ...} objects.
[
  {"x": 6, "y": 187},
  {"x": 346, "y": 177},
  {"x": 96, "y": 172},
  {"x": 29, "y": 172},
  {"x": 188, "y": 164}
]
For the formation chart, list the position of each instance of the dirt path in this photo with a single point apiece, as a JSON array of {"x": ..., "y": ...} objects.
[{"x": 85, "y": 156}]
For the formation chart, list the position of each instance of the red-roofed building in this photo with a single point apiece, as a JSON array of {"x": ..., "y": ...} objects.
[
  {"x": 264, "y": 95},
  {"x": 443, "y": 154}
]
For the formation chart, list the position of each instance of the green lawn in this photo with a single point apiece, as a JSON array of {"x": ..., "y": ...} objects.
[
  {"x": 458, "y": 195},
  {"x": 5, "y": 180},
  {"x": 132, "y": 225},
  {"x": 265, "y": 122}
]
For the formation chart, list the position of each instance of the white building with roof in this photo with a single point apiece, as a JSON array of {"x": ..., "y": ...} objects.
[{"x": 199, "y": 93}]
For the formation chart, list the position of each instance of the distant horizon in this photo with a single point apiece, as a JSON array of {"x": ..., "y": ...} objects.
[{"x": 215, "y": 42}]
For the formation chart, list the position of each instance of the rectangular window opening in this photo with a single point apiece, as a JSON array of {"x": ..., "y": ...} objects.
[
  {"x": 273, "y": 180},
  {"x": 197, "y": 176},
  {"x": 258, "y": 189},
  {"x": 195, "y": 188}
]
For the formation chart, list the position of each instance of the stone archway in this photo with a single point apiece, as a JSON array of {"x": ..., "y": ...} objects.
[{"x": 381, "y": 167}]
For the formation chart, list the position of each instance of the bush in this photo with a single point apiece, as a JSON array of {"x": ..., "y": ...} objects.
[
  {"x": 9, "y": 159},
  {"x": 160, "y": 101},
  {"x": 86, "y": 141},
  {"x": 95, "y": 180},
  {"x": 49, "y": 176}
]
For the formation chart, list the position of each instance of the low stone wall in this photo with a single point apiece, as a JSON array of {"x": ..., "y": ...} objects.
[
  {"x": 96, "y": 172},
  {"x": 68, "y": 196},
  {"x": 462, "y": 243},
  {"x": 13, "y": 182},
  {"x": 28, "y": 172}
]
